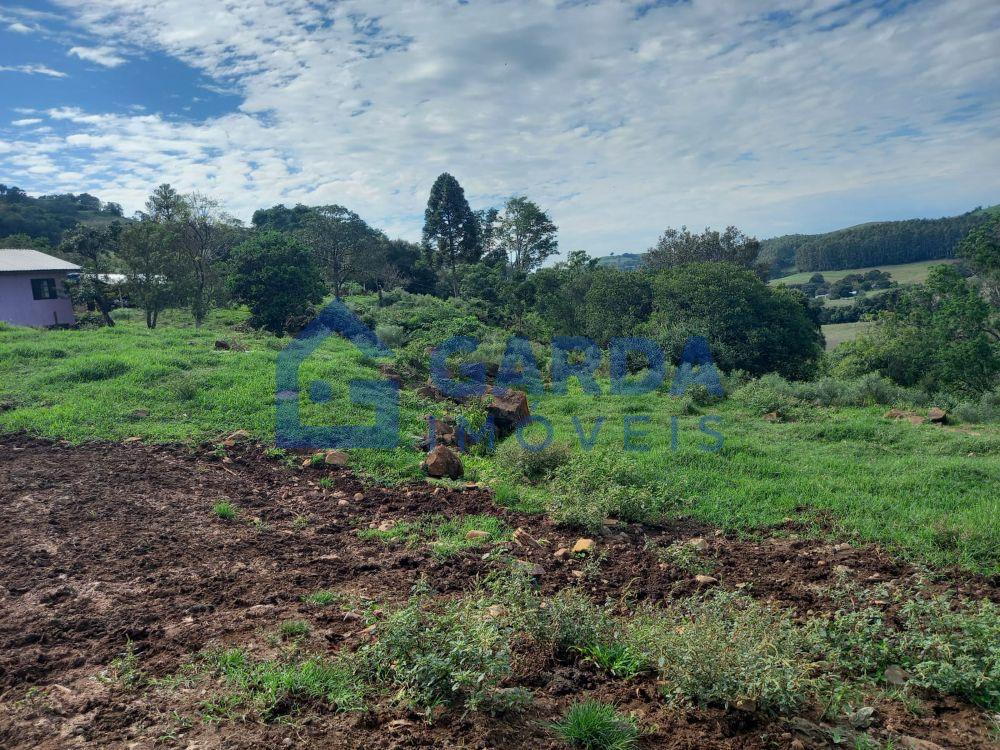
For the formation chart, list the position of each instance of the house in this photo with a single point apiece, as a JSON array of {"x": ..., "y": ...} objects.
[{"x": 33, "y": 289}]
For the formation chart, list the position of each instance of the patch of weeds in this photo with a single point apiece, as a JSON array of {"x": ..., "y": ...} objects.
[
  {"x": 124, "y": 670},
  {"x": 321, "y": 598},
  {"x": 225, "y": 510},
  {"x": 532, "y": 465},
  {"x": 294, "y": 629},
  {"x": 726, "y": 649},
  {"x": 682, "y": 555},
  {"x": 275, "y": 688},
  {"x": 405, "y": 532},
  {"x": 618, "y": 659},
  {"x": 451, "y": 533},
  {"x": 326, "y": 483},
  {"x": 597, "y": 726},
  {"x": 300, "y": 522}
]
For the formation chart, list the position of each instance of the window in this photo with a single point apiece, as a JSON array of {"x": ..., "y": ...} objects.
[{"x": 43, "y": 289}]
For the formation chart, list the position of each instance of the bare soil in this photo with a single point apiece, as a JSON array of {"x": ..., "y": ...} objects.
[{"x": 108, "y": 543}]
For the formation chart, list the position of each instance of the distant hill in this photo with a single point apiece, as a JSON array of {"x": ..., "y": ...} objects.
[
  {"x": 872, "y": 244},
  {"x": 47, "y": 217},
  {"x": 623, "y": 262}
]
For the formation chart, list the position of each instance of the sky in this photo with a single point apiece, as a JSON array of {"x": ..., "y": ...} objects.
[{"x": 620, "y": 118}]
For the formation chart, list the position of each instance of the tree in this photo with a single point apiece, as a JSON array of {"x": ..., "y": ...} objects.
[
  {"x": 747, "y": 324},
  {"x": 148, "y": 251},
  {"x": 276, "y": 276},
  {"x": 345, "y": 246},
  {"x": 616, "y": 304},
  {"x": 981, "y": 249},
  {"x": 95, "y": 249},
  {"x": 165, "y": 205},
  {"x": 451, "y": 230},
  {"x": 206, "y": 236},
  {"x": 524, "y": 234},
  {"x": 942, "y": 335},
  {"x": 677, "y": 247}
]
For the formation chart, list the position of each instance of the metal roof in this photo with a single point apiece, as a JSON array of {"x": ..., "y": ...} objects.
[{"x": 25, "y": 261}]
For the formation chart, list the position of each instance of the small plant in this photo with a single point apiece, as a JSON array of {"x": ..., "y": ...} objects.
[
  {"x": 618, "y": 659},
  {"x": 225, "y": 510},
  {"x": 684, "y": 556},
  {"x": 326, "y": 483},
  {"x": 321, "y": 598},
  {"x": 294, "y": 629},
  {"x": 597, "y": 726},
  {"x": 124, "y": 670},
  {"x": 300, "y": 522}
]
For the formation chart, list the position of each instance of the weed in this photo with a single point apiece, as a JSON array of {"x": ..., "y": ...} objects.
[
  {"x": 294, "y": 629},
  {"x": 300, "y": 522},
  {"x": 597, "y": 726},
  {"x": 321, "y": 598},
  {"x": 682, "y": 555},
  {"x": 618, "y": 659},
  {"x": 225, "y": 510},
  {"x": 124, "y": 669},
  {"x": 326, "y": 483}
]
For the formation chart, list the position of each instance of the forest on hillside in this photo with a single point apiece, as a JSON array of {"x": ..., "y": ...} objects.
[{"x": 40, "y": 222}]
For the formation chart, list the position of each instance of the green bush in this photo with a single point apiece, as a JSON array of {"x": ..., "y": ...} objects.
[
  {"x": 726, "y": 649},
  {"x": 532, "y": 465},
  {"x": 593, "y": 486},
  {"x": 391, "y": 335}
]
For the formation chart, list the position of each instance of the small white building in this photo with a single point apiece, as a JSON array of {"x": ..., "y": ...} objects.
[{"x": 33, "y": 289}]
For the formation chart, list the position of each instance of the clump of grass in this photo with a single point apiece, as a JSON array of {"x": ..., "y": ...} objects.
[
  {"x": 124, "y": 670},
  {"x": 597, "y": 726},
  {"x": 684, "y": 556},
  {"x": 294, "y": 629},
  {"x": 618, "y": 659},
  {"x": 225, "y": 510},
  {"x": 532, "y": 465},
  {"x": 321, "y": 598},
  {"x": 446, "y": 536},
  {"x": 274, "y": 688},
  {"x": 300, "y": 522},
  {"x": 326, "y": 483}
]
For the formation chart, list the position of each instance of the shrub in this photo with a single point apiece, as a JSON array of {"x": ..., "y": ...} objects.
[
  {"x": 533, "y": 465},
  {"x": 597, "y": 726},
  {"x": 391, "y": 335},
  {"x": 726, "y": 649},
  {"x": 770, "y": 394},
  {"x": 293, "y": 629}
]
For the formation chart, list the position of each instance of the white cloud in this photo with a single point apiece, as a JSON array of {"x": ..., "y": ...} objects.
[
  {"x": 26, "y": 121},
  {"x": 19, "y": 28},
  {"x": 31, "y": 69},
  {"x": 700, "y": 113},
  {"x": 105, "y": 56}
]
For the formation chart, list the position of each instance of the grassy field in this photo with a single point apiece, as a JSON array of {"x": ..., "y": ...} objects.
[
  {"x": 838, "y": 333},
  {"x": 926, "y": 492},
  {"x": 905, "y": 273}
]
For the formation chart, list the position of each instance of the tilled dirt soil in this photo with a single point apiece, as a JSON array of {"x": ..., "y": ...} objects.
[{"x": 104, "y": 544}]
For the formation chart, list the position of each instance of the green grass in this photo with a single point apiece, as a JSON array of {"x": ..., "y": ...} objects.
[
  {"x": 837, "y": 333},
  {"x": 225, "y": 511},
  {"x": 928, "y": 493},
  {"x": 597, "y": 726},
  {"x": 444, "y": 536},
  {"x": 903, "y": 273}
]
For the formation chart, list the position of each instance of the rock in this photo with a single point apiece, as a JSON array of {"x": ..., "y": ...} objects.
[
  {"x": 525, "y": 539},
  {"x": 562, "y": 553},
  {"x": 131, "y": 440},
  {"x": 342, "y": 502},
  {"x": 862, "y": 718},
  {"x": 697, "y": 543},
  {"x": 335, "y": 458},
  {"x": 508, "y": 410},
  {"x": 842, "y": 570},
  {"x": 236, "y": 437},
  {"x": 896, "y": 675},
  {"x": 912, "y": 743},
  {"x": 747, "y": 705},
  {"x": 387, "y": 525},
  {"x": 703, "y": 580},
  {"x": 443, "y": 462},
  {"x": 915, "y": 419},
  {"x": 223, "y": 345},
  {"x": 359, "y": 496},
  {"x": 772, "y": 416},
  {"x": 476, "y": 534},
  {"x": 495, "y": 611},
  {"x": 895, "y": 414},
  {"x": 937, "y": 416},
  {"x": 583, "y": 545}
]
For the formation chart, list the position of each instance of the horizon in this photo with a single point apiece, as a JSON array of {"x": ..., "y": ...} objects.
[{"x": 789, "y": 130}]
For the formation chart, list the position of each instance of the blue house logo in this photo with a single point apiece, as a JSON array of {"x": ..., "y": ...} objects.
[{"x": 383, "y": 395}]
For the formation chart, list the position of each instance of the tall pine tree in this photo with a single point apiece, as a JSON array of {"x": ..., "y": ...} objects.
[{"x": 451, "y": 229}]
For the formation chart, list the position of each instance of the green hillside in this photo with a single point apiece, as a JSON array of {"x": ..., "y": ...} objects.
[
  {"x": 904, "y": 273},
  {"x": 623, "y": 262},
  {"x": 47, "y": 217}
]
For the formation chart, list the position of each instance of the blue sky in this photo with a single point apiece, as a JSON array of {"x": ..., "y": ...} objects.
[{"x": 620, "y": 118}]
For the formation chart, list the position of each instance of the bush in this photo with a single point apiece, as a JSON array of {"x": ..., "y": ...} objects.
[
  {"x": 532, "y": 465},
  {"x": 391, "y": 335},
  {"x": 770, "y": 394},
  {"x": 593, "y": 486},
  {"x": 726, "y": 649}
]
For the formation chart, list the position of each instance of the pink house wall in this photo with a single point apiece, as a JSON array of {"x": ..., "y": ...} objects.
[{"x": 18, "y": 307}]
